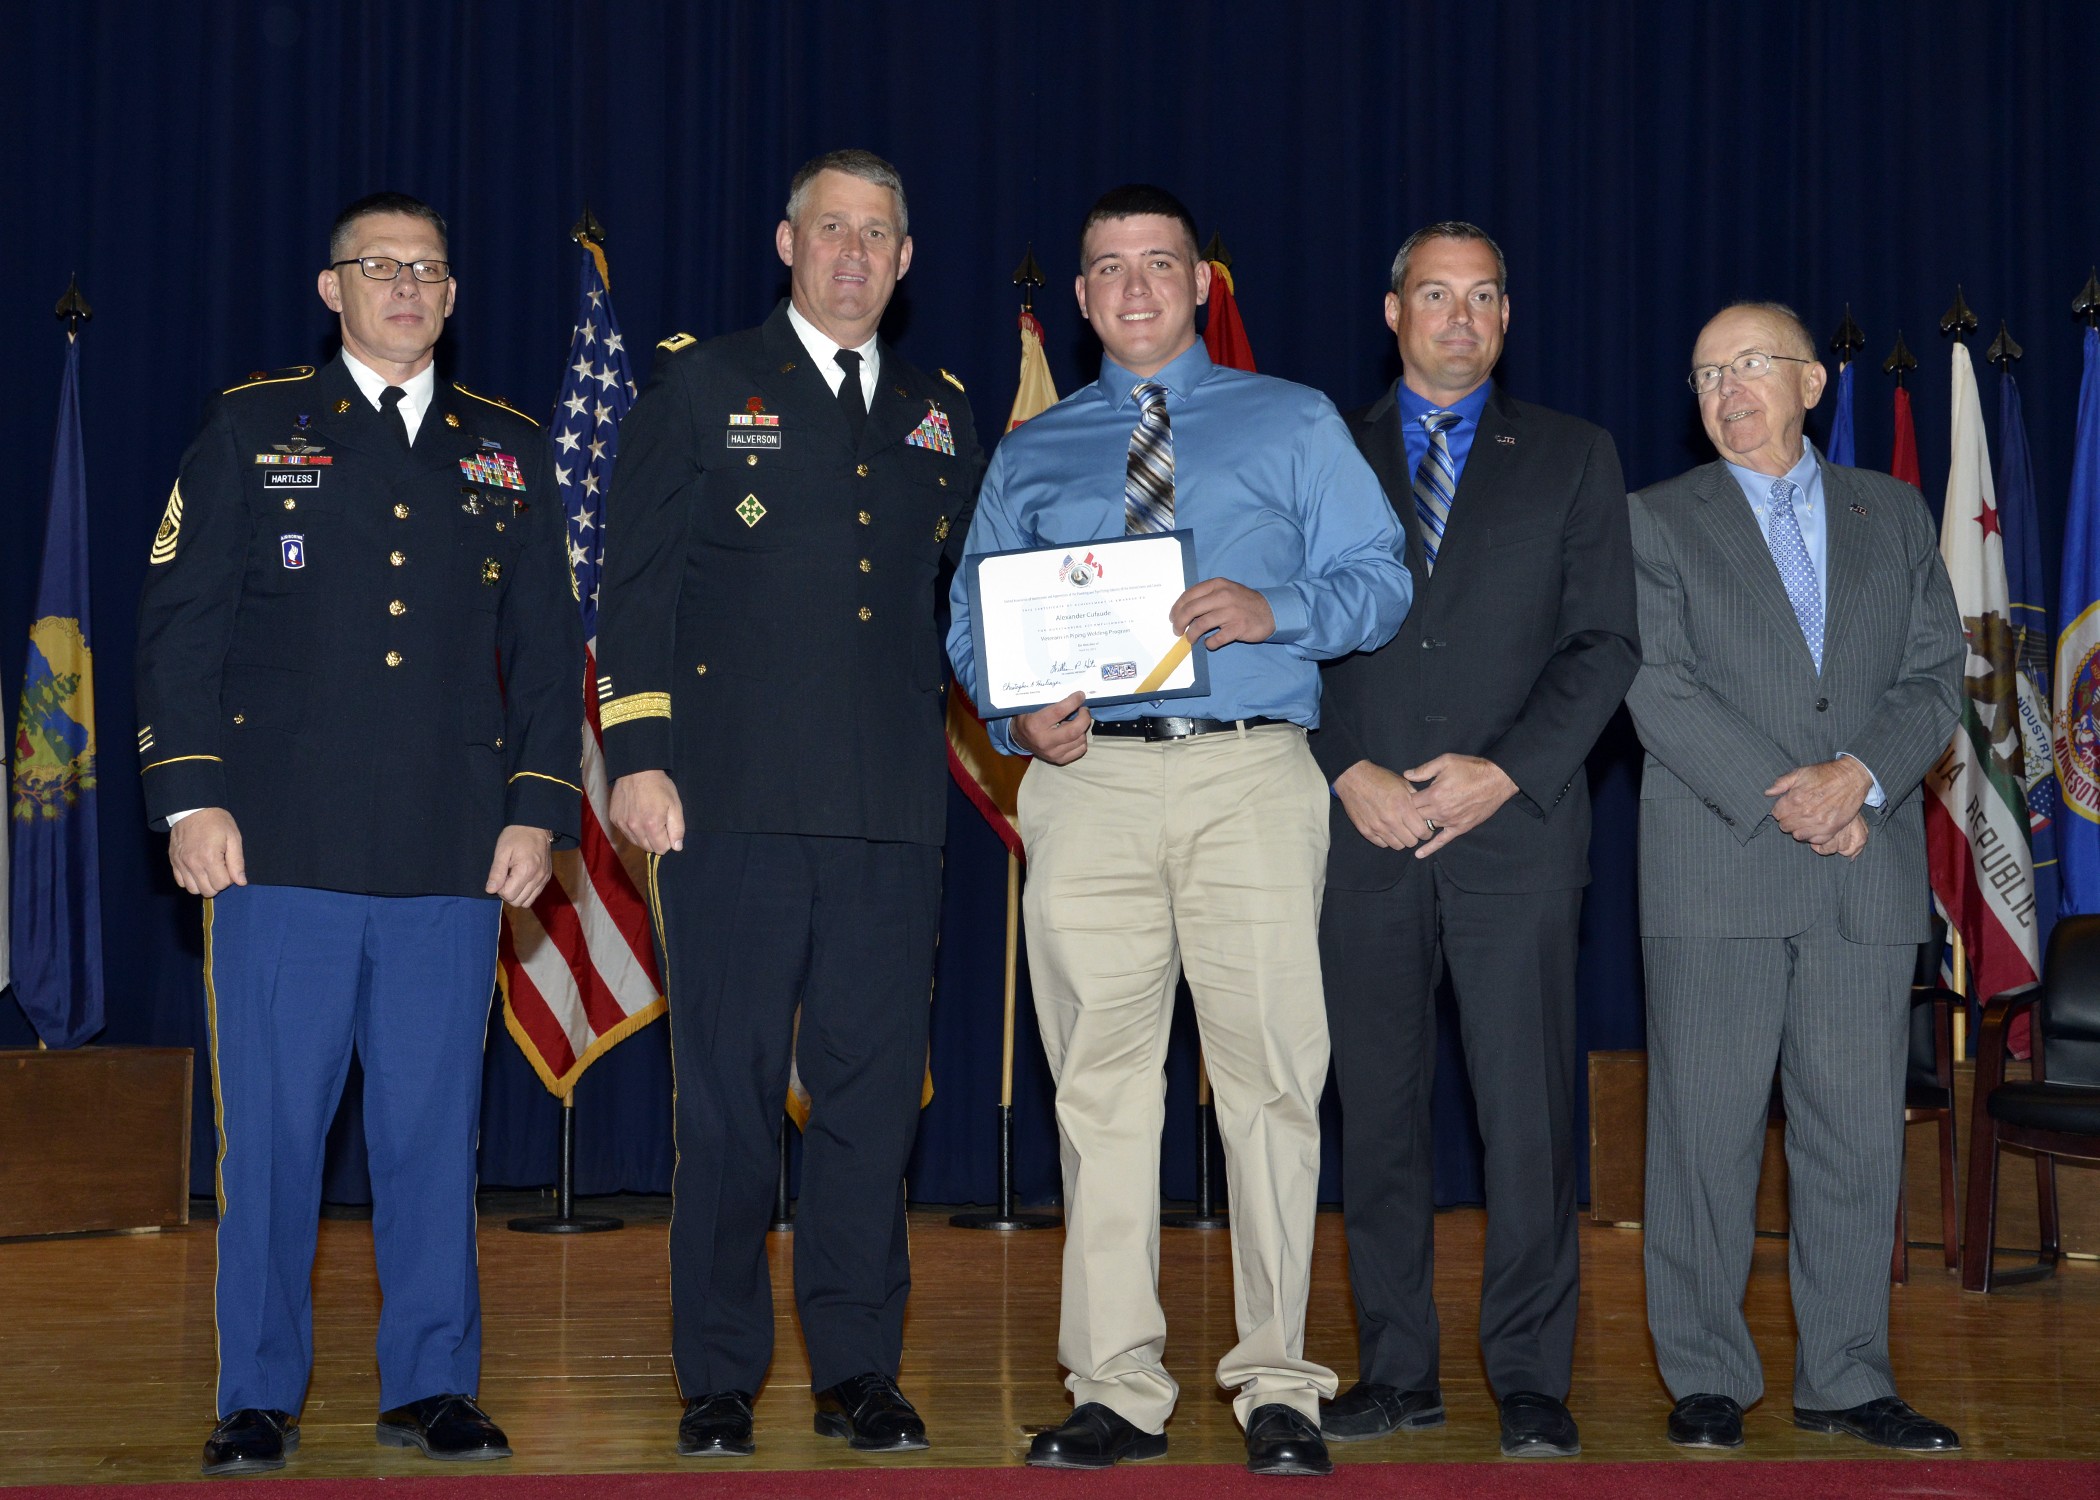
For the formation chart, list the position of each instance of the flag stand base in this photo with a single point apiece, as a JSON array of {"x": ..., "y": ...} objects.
[
  {"x": 783, "y": 1208},
  {"x": 565, "y": 1219},
  {"x": 1206, "y": 1214},
  {"x": 1005, "y": 1216}
]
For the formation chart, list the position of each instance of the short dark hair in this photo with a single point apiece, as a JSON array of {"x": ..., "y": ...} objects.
[
  {"x": 865, "y": 165},
  {"x": 1780, "y": 312},
  {"x": 1449, "y": 229},
  {"x": 381, "y": 203},
  {"x": 1130, "y": 201}
]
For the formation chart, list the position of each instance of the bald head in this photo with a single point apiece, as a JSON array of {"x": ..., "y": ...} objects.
[{"x": 1757, "y": 422}]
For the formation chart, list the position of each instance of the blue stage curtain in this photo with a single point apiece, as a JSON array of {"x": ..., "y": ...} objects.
[{"x": 1640, "y": 164}]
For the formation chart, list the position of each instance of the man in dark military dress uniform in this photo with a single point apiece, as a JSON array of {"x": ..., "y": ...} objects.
[
  {"x": 772, "y": 708},
  {"x": 356, "y": 685}
]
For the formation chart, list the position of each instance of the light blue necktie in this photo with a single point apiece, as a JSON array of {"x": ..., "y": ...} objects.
[
  {"x": 1797, "y": 570},
  {"x": 1436, "y": 481},
  {"x": 1148, "y": 479}
]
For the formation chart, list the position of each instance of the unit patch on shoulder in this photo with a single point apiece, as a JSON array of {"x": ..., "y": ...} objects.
[
  {"x": 170, "y": 528},
  {"x": 493, "y": 401},
  {"x": 953, "y": 381},
  {"x": 676, "y": 342}
]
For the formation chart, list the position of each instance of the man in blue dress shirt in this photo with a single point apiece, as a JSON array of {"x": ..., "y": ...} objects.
[{"x": 1197, "y": 840}]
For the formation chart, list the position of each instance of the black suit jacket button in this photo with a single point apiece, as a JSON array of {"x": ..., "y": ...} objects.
[{"x": 1822, "y": 705}]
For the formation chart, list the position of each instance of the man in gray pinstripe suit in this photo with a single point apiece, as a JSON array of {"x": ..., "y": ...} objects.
[{"x": 1800, "y": 672}]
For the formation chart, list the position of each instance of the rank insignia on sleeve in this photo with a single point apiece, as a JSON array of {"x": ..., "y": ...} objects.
[
  {"x": 749, "y": 511},
  {"x": 933, "y": 432},
  {"x": 498, "y": 469},
  {"x": 491, "y": 571},
  {"x": 170, "y": 528},
  {"x": 292, "y": 547}
]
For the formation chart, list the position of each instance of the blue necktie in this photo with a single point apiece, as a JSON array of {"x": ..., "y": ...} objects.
[
  {"x": 1436, "y": 481},
  {"x": 1148, "y": 477},
  {"x": 1797, "y": 570}
]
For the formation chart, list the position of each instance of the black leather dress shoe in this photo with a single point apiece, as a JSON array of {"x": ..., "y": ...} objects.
[
  {"x": 871, "y": 1414},
  {"x": 1535, "y": 1425},
  {"x": 1886, "y": 1423},
  {"x": 1093, "y": 1437},
  {"x": 1369, "y": 1410},
  {"x": 1707, "y": 1421},
  {"x": 251, "y": 1441},
  {"x": 716, "y": 1425},
  {"x": 1281, "y": 1440},
  {"x": 450, "y": 1428}
]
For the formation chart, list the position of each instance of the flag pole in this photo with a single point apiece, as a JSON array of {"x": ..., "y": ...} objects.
[
  {"x": 590, "y": 234},
  {"x": 1007, "y": 1215}
]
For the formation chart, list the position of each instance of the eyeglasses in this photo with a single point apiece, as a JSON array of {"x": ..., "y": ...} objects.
[
  {"x": 386, "y": 268},
  {"x": 1755, "y": 365}
]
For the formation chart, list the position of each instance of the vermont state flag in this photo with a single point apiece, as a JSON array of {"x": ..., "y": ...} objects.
[{"x": 56, "y": 881}]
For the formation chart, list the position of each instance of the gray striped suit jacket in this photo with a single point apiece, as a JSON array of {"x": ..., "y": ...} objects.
[{"x": 1728, "y": 699}]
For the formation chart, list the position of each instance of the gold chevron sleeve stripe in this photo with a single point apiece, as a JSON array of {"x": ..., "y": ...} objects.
[
  {"x": 171, "y": 760},
  {"x": 170, "y": 528},
  {"x": 536, "y": 776},
  {"x": 635, "y": 706}
]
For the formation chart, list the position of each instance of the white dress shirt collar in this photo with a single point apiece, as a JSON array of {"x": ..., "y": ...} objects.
[
  {"x": 418, "y": 390},
  {"x": 823, "y": 349}
]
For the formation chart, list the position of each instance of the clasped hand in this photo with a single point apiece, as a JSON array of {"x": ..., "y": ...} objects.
[
  {"x": 1820, "y": 805},
  {"x": 1402, "y": 812}
]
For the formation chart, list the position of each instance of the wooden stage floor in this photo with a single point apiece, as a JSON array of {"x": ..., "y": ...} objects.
[{"x": 107, "y": 1357}]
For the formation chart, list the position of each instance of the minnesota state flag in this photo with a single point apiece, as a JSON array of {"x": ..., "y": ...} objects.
[{"x": 56, "y": 882}]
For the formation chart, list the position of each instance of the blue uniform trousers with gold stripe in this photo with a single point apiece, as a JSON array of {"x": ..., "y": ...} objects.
[{"x": 295, "y": 978}]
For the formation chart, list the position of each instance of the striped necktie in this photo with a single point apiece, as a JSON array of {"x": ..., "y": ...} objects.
[
  {"x": 1148, "y": 480},
  {"x": 1436, "y": 481},
  {"x": 1797, "y": 570}
]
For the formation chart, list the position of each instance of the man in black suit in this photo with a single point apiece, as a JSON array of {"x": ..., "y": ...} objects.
[
  {"x": 1461, "y": 838},
  {"x": 771, "y": 695}
]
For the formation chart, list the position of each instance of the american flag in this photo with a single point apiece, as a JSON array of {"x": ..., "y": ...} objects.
[{"x": 578, "y": 970}]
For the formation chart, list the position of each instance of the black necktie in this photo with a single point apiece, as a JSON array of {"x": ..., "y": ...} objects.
[
  {"x": 853, "y": 401},
  {"x": 390, "y": 408}
]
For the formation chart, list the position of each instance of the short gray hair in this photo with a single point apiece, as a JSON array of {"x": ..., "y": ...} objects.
[
  {"x": 865, "y": 165},
  {"x": 1782, "y": 313},
  {"x": 1449, "y": 229}
]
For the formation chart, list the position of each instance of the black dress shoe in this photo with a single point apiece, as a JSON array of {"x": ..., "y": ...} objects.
[
  {"x": 251, "y": 1441},
  {"x": 1535, "y": 1425},
  {"x": 1369, "y": 1410},
  {"x": 451, "y": 1428},
  {"x": 716, "y": 1425},
  {"x": 871, "y": 1414},
  {"x": 1281, "y": 1440},
  {"x": 1707, "y": 1421},
  {"x": 1886, "y": 1423},
  {"x": 1093, "y": 1437}
]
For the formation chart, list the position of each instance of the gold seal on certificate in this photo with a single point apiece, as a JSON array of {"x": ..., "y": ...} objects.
[{"x": 1091, "y": 617}]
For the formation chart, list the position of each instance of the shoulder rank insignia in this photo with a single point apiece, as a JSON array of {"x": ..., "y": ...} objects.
[
  {"x": 270, "y": 377},
  {"x": 953, "y": 381},
  {"x": 170, "y": 528},
  {"x": 493, "y": 401},
  {"x": 676, "y": 342}
]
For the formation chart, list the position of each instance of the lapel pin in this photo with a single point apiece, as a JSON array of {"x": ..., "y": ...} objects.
[
  {"x": 342, "y": 406},
  {"x": 787, "y": 368},
  {"x": 1858, "y": 509},
  {"x": 1505, "y": 440}
]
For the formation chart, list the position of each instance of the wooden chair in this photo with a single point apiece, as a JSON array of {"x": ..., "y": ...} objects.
[{"x": 2056, "y": 1113}]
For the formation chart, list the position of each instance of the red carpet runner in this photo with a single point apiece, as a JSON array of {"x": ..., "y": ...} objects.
[{"x": 1720, "y": 1478}]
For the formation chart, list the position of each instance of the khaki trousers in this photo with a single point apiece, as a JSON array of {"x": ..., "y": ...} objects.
[{"x": 1207, "y": 854}]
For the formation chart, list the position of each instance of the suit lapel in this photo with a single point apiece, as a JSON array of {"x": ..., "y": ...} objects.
[
  {"x": 896, "y": 413},
  {"x": 1481, "y": 496},
  {"x": 1385, "y": 448},
  {"x": 1733, "y": 527},
  {"x": 797, "y": 385},
  {"x": 1848, "y": 544},
  {"x": 344, "y": 418}
]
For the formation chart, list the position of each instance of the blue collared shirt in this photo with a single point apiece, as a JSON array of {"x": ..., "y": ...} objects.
[
  {"x": 1269, "y": 481},
  {"x": 1458, "y": 437},
  {"x": 1809, "y": 510},
  {"x": 1807, "y": 479}
]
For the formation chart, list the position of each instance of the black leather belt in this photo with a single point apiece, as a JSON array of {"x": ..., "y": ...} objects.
[{"x": 1168, "y": 728}]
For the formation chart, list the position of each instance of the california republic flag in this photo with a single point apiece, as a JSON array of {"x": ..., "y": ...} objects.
[{"x": 1976, "y": 808}]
